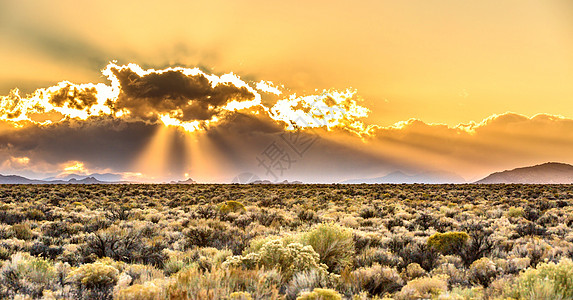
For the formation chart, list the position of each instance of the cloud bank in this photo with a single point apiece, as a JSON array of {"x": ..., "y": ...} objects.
[{"x": 196, "y": 122}]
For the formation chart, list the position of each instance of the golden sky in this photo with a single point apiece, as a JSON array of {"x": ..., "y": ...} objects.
[{"x": 444, "y": 62}]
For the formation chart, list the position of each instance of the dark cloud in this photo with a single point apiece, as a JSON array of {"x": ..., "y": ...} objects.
[
  {"x": 76, "y": 98},
  {"x": 499, "y": 142},
  {"x": 256, "y": 120},
  {"x": 192, "y": 96},
  {"x": 240, "y": 135},
  {"x": 99, "y": 141}
]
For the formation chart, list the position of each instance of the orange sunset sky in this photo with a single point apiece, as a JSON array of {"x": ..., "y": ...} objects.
[{"x": 167, "y": 90}]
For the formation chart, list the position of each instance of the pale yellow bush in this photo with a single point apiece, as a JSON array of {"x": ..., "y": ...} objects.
[
  {"x": 423, "y": 288},
  {"x": 150, "y": 290}
]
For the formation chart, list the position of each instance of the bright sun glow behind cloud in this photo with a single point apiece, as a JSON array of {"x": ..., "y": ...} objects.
[
  {"x": 196, "y": 101},
  {"x": 75, "y": 167}
]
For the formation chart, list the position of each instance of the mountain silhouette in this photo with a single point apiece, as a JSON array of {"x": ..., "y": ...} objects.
[
  {"x": 400, "y": 177},
  {"x": 15, "y": 179},
  {"x": 547, "y": 173}
]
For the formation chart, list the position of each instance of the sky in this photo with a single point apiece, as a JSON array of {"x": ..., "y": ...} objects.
[{"x": 319, "y": 91}]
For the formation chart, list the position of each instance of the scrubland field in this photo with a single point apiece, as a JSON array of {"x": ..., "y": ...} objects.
[{"x": 286, "y": 241}]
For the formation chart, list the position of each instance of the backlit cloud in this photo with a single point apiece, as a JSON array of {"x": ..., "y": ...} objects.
[
  {"x": 75, "y": 167},
  {"x": 181, "y": 97},
  {"x": 329, "y": 110},
  {"x": 16, "y": 163}
]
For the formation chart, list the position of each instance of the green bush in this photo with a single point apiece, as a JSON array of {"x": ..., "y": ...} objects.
[
  {"x": 448, "y": 242},
  {"x": 288, "y": 259},
  {"x": 173, "y": 266},
  {"x": 256, "y": 244},
  {"x": 291, "y": 259},
  {"x": 26, "y": 273},
  {"x": 232, "y": 206},
  {"x": 320, "y": 294},
  {"x": 515, "y": 212},
  {"x": 240, "y": 296},
  {"x": 333, "y": 243},
  {"x": 94, "y": 281},
  {"x": 94, "y": 275},
  {"x": 546, "y": 281}
]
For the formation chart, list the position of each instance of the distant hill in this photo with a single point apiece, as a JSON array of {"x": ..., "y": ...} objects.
[
  {"x": 15, "y": 179},
  {"x": 547, "y": 173},
  {"x": 188, "y": 181},
  {"x": 278, "y": 182},
  {"x": 87, "y": 180},
  {"x": 106, "y": 177},
  {"x": 400, "y": 177},
  {"x": 250, "y": 178}
]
